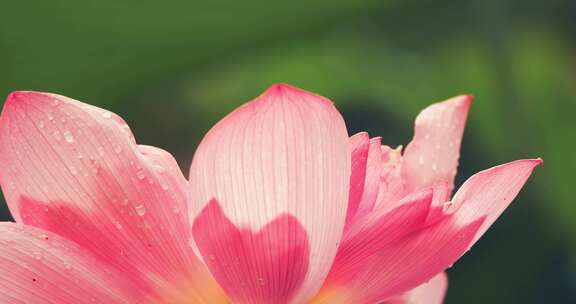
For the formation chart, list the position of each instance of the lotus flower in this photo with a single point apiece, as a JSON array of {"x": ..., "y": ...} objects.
[{"x": 281, "y": 206}]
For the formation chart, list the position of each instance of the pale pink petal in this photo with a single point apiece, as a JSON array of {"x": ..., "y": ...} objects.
[
  {"x": 286, "y": 153},
  {"x": 41, "y": 267},
  {"x": 488, "y": 193},
  {"x": 374, "y": 170},
  {"x": 76, "y": 170},
  {"x": 432, "y": 292},
  {"x": 359, "y": 145},
  {"x": 433, "y": 154}
]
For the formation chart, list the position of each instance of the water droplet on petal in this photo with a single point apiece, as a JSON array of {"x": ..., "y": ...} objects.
[
  {"x": 421, "y": 160},
  {"x": 106, "y": 115},
  {"x": 41, "y": 124},
  {"x": 140, "y": 210},
  {"x": 73, "y": 170},
  {"x": 68, "y": 137}
]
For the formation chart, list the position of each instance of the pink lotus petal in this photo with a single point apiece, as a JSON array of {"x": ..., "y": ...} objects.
[
  {"x": 488, "y": 193},
  {"x": 432, "y": 292},
  {"x": 284, "y": 153},
  {"x": 417, "y": 258},
  {"x": 359, "y": 145},
  {"x": 264, "y": 267},
  {"x": 41, "y": 267},
  {"x": 76, "y": 170},
  {"x": 391, "y": 187},
  {"x": 402, "y": 265},
  {"x": 373, "y": 233},
  {"x": 433, "y": 154},
  {"x": 374, "y": 168}
]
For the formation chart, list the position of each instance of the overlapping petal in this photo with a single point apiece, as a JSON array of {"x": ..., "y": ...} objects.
[
  {"x": 75, "y": 170},
  {"x": 283, "y": 155}
]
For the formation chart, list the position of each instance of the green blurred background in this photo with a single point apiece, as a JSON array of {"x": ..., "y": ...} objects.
[{"x": 172, "y": 69}]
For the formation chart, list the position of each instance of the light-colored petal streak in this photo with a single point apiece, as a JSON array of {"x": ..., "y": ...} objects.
[
  {"x": 41, "y": 267},
  {"x": 76, "y": 170},
  {"x": 284, "y": 153},
  {"x": 433, "y": 154}
]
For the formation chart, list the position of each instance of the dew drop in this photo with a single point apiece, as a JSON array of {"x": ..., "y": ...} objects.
[
  {"x": 50, "y": 117},
  {"x": 68, "y": 137},
  {"x": 106, "y": 115},
  {"x": 117, "y": 149},
  {"x": 164, "y": 187},
  {"x": 434, "y": 167},
  {"x": 140, "y": 210},
  {"x": 41, "y": 124},
  {"x": 421, "y": 160},
  {"x": 55, "y": 102},
  {"x": 118, "y": 225},
  {"x": 261, "y": 282}
]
